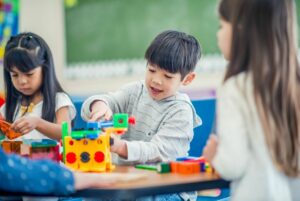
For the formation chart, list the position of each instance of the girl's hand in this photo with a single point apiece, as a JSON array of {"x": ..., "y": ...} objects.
[
  {"x": 25, "y": 124},
  {"x": 210, "y": 148},
  {"x": 100, "y": 109}
]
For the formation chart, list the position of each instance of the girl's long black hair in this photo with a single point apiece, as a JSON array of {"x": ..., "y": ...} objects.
[{"x": 27, "y": 51}]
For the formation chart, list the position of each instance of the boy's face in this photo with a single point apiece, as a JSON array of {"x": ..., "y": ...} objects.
[{"x": 161, "y": 84}]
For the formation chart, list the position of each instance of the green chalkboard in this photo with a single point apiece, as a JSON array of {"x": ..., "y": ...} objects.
[{"x": 122, "y": 29}]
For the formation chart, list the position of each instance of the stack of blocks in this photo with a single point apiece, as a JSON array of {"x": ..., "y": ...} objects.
[
  {"x": 190, "y": 165},
  {"x": 89, "y": 149},
  {"x": 183, "y": 165},
  {"x": 31, "y": 148}
]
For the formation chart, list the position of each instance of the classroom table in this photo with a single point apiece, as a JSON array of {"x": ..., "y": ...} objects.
[{"x": 152, "y": 184}]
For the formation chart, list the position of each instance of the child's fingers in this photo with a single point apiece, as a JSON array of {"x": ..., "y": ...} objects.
[
  {"x": 108, "y": 115},
  {"x": 24, "y": 131},
  {"x": 17, "y": 125},
  {"x": 95, "y": 116}
]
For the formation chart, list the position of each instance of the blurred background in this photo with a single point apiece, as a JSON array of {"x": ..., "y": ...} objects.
[{"x": 99, "y": 45}]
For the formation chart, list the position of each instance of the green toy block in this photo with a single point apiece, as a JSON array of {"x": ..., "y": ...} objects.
[
  {"x": 2, "y": 136},
  {"x": 120, "y": 120},
  {"x": 78, "y": 134},
  {"x": 163, "y": 168},
  {"x": 40, "y": 143},
  {"x": 65, "y": 129}
]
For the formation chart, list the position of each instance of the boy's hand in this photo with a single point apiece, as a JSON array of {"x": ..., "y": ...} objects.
[
  {"x": 210, "y": 148},
  {"x": 25, "y": 124},
  {"x": 119, "y": 147},
  {"x": 100, "y": 109}
]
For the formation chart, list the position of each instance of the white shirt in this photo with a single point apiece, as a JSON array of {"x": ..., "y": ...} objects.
[
  {"x": 242, "y": 154},
  {"x": 62, "y": 100}
]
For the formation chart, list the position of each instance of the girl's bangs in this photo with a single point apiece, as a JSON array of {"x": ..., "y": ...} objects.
[{"x": 23, "y": 60}]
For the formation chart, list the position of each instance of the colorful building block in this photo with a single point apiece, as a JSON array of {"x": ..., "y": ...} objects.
[
  {"x": 6, "y": 130},
  {"x": 11, "y": 146},
  {"x": 34, "y": 149},
  {"x": 89, "y": 149},
  {"x": 40, "y": 149}
]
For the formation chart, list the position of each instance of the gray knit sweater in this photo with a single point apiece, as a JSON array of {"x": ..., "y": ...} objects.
[{"x": 163, "y": 130}]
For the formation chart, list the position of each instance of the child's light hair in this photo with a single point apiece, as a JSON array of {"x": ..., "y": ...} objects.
[{"x": 265, "y": 46}]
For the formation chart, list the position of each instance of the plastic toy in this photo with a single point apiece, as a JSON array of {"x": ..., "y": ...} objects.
[
  {"x": 40, "y": 149},
  {"x": 183, "y": 165},
  {"x": 6, "y": 130},
  {"x": 34, "y": 149},
  {"x": 89, "y": 150},
  {"x": 2, "y": 100},
  {"x": 11, "y": 146}
]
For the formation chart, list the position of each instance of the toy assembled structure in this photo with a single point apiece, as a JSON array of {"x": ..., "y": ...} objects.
[{"x": 89, "y": 149}]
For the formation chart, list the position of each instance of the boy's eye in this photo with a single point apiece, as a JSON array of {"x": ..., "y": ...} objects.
[
  {"x": 168, "y": 76},
  {"x": 13, "y": 74},
  {"x": 151, "y": 70},
  {"x": 29, "y": 74}
]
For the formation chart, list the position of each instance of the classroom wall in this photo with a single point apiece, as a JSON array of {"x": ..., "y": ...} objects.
[{"x": 47, "y": 18}]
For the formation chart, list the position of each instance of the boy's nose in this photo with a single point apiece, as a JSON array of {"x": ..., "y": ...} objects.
[{"x": 157, "y": 81}]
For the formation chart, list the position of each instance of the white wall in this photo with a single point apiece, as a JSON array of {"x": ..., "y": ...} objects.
[{"x": 46, "y": 18}]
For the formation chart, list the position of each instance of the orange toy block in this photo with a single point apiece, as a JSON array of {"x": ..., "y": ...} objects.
[
  {"x": 11, "y": 146},
  {"x": 188, "y": 168},
  {"x": 5, "y": 127}
]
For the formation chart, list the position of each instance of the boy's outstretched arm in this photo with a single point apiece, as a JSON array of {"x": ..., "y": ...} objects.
[
  {"x": 99, "y": 110},
  {"x": 117, "y": 102},
  {"x": 172, "y": 140}
]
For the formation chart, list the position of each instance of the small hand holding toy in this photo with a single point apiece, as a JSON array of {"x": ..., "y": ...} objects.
[{"x": 7, "y": 131}]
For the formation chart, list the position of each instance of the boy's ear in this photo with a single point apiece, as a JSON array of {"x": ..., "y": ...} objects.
[{"x": 189, "y": 78}]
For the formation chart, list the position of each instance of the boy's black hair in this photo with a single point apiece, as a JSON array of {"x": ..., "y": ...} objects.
[
  {"x": 174, "y": 52},
  {"x": 27, "y": 51}
]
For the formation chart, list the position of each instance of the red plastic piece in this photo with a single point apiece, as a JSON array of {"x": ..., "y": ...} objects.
[
  {"x": 99, "y": 156},
  {"x": 71, "y": 157},
  {"x": 131, "y": 120},
  {"x": 120, "y": 132}
]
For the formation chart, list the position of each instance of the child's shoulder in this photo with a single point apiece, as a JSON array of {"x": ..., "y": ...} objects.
[
  {"x": 180, "y": 100},
  {"x": 62, "y": 98},
  {"x": 236, "y": 83},
  {"x": 62, "y": 95},
  {"x": 239, "y": 87}
]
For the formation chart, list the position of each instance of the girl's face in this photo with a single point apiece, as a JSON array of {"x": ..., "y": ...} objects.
[
  {"x": 224, "y": 36},
  {"x": 27, "y": 83}
]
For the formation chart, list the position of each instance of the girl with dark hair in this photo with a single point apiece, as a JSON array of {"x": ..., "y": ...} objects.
[
  {"x": 35, "y": 102},
  {"x": 258, "y": 143}
]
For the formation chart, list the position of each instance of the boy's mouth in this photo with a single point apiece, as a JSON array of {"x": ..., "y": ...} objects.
[{"x": 155, "y": 91}]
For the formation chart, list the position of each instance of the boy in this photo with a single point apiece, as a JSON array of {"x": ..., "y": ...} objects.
[{"x": 165, "y": 118}]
